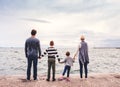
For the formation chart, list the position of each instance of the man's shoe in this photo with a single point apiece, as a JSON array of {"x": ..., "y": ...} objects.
[
  {"x": 54, "y": 80},
  {"x": 28, "y": 80},
  {"x": 47, "y": 80},
  {"x": 81, "y": 77},
  {"x": 35, "y": 79}
]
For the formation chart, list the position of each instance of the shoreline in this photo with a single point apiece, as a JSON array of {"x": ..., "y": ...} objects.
[{"x": 93, "y": 80}]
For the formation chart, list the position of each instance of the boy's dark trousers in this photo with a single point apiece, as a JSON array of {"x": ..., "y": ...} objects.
[
  {"x": 51, "y": 63},
  {"x": 81, "y": 69},
  {"x": 30, "y": 60}
]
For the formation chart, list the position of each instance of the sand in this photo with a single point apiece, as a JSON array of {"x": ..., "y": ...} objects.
[{"x": 94, "y": 80}]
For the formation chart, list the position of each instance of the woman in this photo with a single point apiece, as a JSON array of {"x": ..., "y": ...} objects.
[{"x": 83, "y": 56}]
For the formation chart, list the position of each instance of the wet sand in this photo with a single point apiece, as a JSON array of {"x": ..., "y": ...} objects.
[{"x": 94, "y": 80}]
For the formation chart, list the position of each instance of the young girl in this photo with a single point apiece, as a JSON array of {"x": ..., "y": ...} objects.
[{"x": 68, "y": 63}]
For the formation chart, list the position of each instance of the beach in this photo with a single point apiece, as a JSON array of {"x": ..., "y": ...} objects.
[
  {"x": 103, "y": 69},
  {"x": 94, "y": 80}
]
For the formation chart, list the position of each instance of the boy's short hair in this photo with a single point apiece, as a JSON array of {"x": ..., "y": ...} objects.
[
  {"x": 33, "y": 32},
  {"x": 67, "y": 53},
  {"x": 51, "y": 43}
]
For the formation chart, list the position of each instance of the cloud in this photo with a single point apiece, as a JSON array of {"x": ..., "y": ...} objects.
[
  {"x": 61, "y": 20},
  {"x": 53, "y": 5},
  {"x": 35, "y": 20}
]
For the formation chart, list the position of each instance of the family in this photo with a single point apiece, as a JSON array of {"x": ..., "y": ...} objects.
[{"x": 33, "y": 53}]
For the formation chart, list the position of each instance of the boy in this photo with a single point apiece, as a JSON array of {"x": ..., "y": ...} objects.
[
  {"x": 68, "y": 63},
  {"x": 52, "y": 54}
]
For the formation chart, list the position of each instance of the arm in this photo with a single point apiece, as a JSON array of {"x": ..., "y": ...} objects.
[
  {"x": 77, "y": 51},
  {"x": 39, "y": 49},
  {"x": 87, "y": 55},
  {"x": 62, "y": 61},
  {"x": 26, "y": 49},
  {"x": 57, "y": 53},
  {"x": 45, "y": 53},
  {"x": 73, "y": 60}
]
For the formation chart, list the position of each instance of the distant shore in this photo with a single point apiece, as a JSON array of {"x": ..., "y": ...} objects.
[
  {"x": 94, "y": 80},
  {"x": 106, "y": 47}
]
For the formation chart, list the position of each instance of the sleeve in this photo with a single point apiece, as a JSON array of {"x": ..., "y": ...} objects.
[
  {"x": 87, "y": 54},
  {"x": 63, "y": 61},
  {"x": 26, "y": 49},
  {"x": 45, "y": 52},
  {"x": 73, "y": 60},
  {"x": 39, "y": 49},
  {"x": 57, "y": 53}
]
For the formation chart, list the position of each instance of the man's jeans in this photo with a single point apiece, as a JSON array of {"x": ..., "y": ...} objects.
[{"x": 31, "y": 60}]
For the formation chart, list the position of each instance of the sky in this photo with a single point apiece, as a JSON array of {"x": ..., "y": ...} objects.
[{"x": 62, "y": 21}]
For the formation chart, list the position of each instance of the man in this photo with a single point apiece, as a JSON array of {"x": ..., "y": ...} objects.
[
  {"x": 83, "y": 56},
  {"x": 32, "y": 52}
]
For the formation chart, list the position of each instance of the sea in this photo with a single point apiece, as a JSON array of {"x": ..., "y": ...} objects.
[{"x": 102, "y": 60}]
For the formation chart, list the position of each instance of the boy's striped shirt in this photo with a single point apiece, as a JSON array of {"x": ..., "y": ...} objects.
[{"x": 52, "y": 52}]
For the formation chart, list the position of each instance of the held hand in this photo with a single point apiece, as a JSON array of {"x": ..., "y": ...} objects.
[
  {"x": 58, "y": 59},
  {"x": 26, "y": 56},
  {"x": 57, "y": 56},
  {"x": 39, "y": 57},
  {"x": 45, "y": 53},
  {"x": 74, "y": 56},
  {"x": 88, "y": 62},
  {"x": 42, "y": 55}
]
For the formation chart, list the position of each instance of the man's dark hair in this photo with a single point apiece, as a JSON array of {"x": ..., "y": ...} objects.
[
  {"x": 33, "y": 32},
  {"x": 67, "y": 53}
]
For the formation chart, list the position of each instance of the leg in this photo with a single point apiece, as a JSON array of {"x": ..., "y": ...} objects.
[
  {"x": 53, "y": 70},
  {"x": 29, "y": 68},
  {"x": 81, "y": 68},
  {"x": 65, "y": 68},
  {"x": 68, "y": 71},
  {"x": 49, "y": 68},
  {"x": 35, "y": 60},
  {"x": 86, "y": 70}
]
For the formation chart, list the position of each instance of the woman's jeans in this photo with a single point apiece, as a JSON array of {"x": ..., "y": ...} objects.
[{"x": 81, "y": 69}]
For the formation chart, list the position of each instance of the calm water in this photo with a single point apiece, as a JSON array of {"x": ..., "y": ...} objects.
[{"x": 13, "y": 61}]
